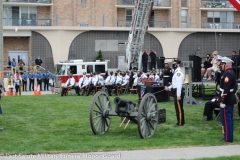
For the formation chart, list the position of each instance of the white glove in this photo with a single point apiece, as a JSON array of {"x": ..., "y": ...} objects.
[
  {"x": 213, "y": 100},
  {"x": 222, "y": 105}
]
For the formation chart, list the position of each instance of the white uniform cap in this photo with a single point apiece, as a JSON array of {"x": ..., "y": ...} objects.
[
  {"x": 226, "y": 60},
  {"x": 165, "y": 62},
  {"x": 219, "y": 58}
]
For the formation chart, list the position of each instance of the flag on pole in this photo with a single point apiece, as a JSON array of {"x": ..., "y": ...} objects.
[{"x": 236, "y": 4}]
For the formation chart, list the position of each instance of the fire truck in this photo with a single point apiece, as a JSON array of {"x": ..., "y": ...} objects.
[{"x": 77, "y": 67}]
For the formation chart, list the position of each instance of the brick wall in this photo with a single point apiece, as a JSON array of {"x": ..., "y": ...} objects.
[
  {"x": 14, "y": 44},
  {"x": 162, "y": 18},
  {"x": 93, "y": 13},
  {"x": 194, "y": 12},
  {"x": 175, "y": 13}
]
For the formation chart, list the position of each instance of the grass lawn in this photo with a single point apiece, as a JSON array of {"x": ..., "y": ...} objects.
[{"x": 54, "y": 124}]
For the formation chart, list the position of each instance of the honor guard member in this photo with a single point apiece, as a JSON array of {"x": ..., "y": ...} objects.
[
  {"x": 68, "y": 85},
  {"x": 125, "y": 79},
  {"x": 92, "y": 82},
  {"x": 176, "y": 88},
  {"x": 24, "y": 80},
  {"x": 167, "y": 78},
  {"x": 46, "y": 77},
  {"x": 228, "y": 88},
  {"x": 109, "y": 78},
  {"x": 115, "y": 82},
  {"x": 82, "y": 84},
  {"x": 215, "y": 102},
  {"x": 99, "y": 81},
  {"x": 39, "y": 79},
  {"x": 31, "y": 77}
]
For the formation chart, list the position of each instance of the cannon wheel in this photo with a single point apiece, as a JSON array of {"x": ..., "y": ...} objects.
[
  {"x": 99, "y": 118},
  {"x": 147, "y": 116}
]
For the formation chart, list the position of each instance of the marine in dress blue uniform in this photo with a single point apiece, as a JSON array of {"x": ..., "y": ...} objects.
[
  {"x": 176, "y": 88},
  {"x": 167, "y": 78},
  {"x": 228, "y": 99}
]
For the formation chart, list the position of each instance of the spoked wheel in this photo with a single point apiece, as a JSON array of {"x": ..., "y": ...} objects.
[
  {"x": 147, "y": 116},
  {"x": 99, "y": 118}
]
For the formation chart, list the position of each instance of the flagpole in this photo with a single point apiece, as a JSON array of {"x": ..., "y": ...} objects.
[{"x": 1, "y": 42}]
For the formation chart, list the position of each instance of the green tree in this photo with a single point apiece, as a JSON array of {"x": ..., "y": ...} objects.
[{"x": 99, "y": 56}]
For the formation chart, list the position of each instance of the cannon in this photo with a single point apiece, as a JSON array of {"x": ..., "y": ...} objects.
[{"x": 145, "y": 115}]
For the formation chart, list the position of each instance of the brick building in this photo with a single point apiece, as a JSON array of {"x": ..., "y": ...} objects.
[{"x": 77, "y": 29}]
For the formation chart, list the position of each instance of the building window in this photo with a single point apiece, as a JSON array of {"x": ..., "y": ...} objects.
[
  {"x": 184, "y": 15},
  {"x": 129, "y": 13},
  {"x": 220, "y": 19},
  {"x": 83, "y": 1},
  {"x": 213, "y": 17}
]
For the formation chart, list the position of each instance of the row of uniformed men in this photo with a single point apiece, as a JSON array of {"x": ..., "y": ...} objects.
[
  {"x": 31, "y": 76},
  {"x": 95, "y": 80}
]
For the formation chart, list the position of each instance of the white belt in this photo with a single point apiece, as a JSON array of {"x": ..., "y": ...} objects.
[
  {"x": 166, "y": 76},
  {"x": 231, "y": 90}
]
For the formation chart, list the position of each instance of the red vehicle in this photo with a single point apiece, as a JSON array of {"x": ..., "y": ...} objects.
[{"x": 77, "y": 67}]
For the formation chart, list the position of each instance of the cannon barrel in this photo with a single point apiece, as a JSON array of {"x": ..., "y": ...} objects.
[
  {"x": 124, "y": 107},
  {"x": 123, "y": 102}
]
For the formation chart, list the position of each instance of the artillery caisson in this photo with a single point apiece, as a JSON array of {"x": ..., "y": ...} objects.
[{"x": 145, "y": 115}]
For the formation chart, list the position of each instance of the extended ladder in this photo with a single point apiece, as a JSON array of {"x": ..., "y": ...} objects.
[{"x": 139, "y": 25}]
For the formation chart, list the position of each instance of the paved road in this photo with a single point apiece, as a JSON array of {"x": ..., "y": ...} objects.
[{"x": 155, "y": 154}]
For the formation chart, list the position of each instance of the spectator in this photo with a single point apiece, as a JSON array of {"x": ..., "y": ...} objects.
[
  {"x": 153, "y": 55},
  {"x": 214, "y": 66},
  {"x": 207, "y": 64},
  {"x": 18, "y": 80},
  {"x": 38, "y": 61},
  {"x": 13, "y": 65},
  {"x": 21, "y": 64},
  {"x": 9, "y": 63},
  {"x": 11, "y": 83},
  {"x": 235, "y": 60},
  {"x": 145, "y": 60}
]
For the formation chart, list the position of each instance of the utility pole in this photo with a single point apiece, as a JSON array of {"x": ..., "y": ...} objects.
[{"x": 1, "y": 42}]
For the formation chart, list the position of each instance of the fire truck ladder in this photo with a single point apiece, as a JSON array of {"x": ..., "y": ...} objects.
[{"x": 139, "y": 25}]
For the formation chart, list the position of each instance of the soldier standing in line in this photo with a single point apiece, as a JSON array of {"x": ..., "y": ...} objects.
[
  {"x": 46, "y": 77},
  {"x": 176, "y": 88},
  {"x": 39, "y": 79},
  {"x": 228, "y": 99},
  {"x": 24, "y": 80},
  {"x": 167, "y": 78},
  {"x": 31, "y": 77}
]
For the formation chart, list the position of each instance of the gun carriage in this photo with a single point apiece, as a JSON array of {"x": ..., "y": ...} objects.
[{"x": 145, "y": 115}]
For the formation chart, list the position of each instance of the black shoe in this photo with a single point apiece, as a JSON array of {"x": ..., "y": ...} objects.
[
  {"x": 61, "y": 95},
  {"x": 176, "y": 125},
  {"x": 78, "y": 94}
]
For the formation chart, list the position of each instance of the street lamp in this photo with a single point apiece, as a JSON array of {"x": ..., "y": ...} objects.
[{"x": 1, "y": 42}]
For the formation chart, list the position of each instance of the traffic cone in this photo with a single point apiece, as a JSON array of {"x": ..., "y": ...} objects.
[
  {"x": 35, "y": 90},
  {"x": 7, "y": 93},
  {"x": 38, "y": 90}
]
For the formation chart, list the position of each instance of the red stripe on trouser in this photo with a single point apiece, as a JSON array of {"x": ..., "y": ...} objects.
[{"x": 225, "y": 123}]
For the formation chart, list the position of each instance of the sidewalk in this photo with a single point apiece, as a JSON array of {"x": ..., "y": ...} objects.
[
  {"x": 28, "y": 93},
  {"x": 155, "y": 154}
]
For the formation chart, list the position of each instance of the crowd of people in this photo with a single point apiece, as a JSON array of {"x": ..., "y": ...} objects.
[
  {"x": 210, "y": 64},
  {"x": 27, "y": 79},
  {"x": 224, "y": 99}
]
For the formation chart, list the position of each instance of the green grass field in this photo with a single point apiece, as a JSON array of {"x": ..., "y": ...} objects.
[{"x": 54, "y": 124}]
